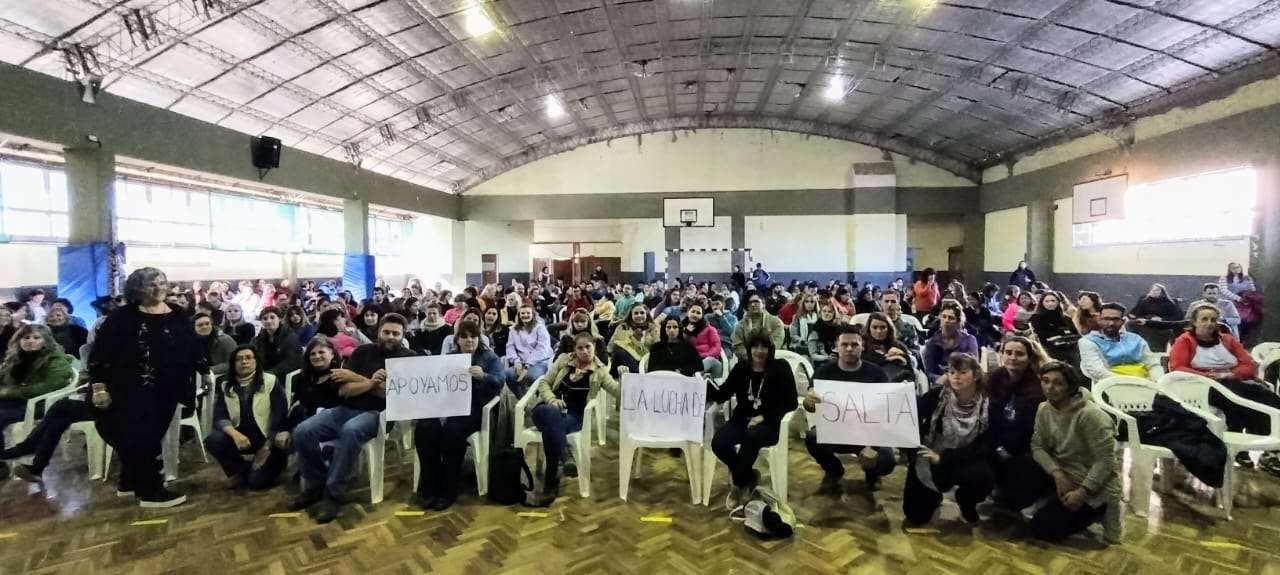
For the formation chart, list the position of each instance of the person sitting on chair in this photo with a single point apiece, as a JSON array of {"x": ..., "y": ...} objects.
[
  {"x": 632, "y": 340},
  {"x": 563, "y": 393},
  {"x": 876, "y": 462},
  {"x": 33, "y": 365},
  {"x": 697, "y": 330},
  {"x": 1111, "y": 351},
  {"x": 441, "y": 442},
  {"x": 1204, "y": 350},
  {"x": 765, "y": 389},
  {"x": 1074, "y": 442},
  {"x": 248, "y": 412},
  {"x": 313, "y": 388},
  {"x": 673, "y": 353},
  {"x": 363, "y": 388}
]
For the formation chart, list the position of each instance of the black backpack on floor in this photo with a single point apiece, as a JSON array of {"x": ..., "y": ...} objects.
[{"x": 510, "y": 479}]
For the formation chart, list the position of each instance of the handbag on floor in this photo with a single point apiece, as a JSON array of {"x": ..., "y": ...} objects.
[
  {"x": 766, "y": 515},
  {"x": 510, "y": 479}
]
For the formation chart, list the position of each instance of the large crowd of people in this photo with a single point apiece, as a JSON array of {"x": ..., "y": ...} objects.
[{"x": 1022, "y": 429}]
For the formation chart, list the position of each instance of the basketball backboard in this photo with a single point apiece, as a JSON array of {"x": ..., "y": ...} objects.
[{"x": 688, "y": 212}]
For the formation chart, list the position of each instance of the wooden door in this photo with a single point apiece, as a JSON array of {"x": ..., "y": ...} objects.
[
  {"x": 955, "y": 262},
  {"x": 611, "y": 266},
  {"x": 488, "y": 269},
  {"x": 562, "y": 269}
]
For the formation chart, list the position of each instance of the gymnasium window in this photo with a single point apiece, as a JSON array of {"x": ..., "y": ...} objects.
[
  {"x": 320, "y": 230},
  {"x": 158, "y": 214},
  {"x": 1211, "y": 206},
  {"x": 388, "y": 237},
  {"x": 244, "y": 223},
  {"x": 33, "y": 203}
]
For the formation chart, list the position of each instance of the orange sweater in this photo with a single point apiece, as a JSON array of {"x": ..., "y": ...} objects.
[{"x": 926, "y": 296}]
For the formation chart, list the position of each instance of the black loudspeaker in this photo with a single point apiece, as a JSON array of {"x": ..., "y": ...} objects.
[{"x": 266, "y": 152}]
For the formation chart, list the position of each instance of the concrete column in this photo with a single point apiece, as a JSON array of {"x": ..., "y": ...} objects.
[
  {"x": 459, "y": 276},
  {"x": 738, "y": 241},
  {"x": 355, "y": 226},
  {"x": 975, "y": 241},
  {"x": 87, "y": 266},
  {"x": 91, "y": 174},
  {"x": 358, "y": 266},
  {"x": 1265, "y": 266},
  {"x": 1040, "y": 239},
  {"x": 673, "y": 258}
]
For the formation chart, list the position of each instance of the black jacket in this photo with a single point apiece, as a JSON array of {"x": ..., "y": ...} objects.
[
  {"x": 1163, "y": 308},
  {"x": 278, "y": 355},
  {"x": 1187, "y": 435},
  {"x": 1014, "y": 404},
  {"x": 777, "y": 396},
  {"x": 679, "y": 356},
  {"x": 168, "y": 346}
]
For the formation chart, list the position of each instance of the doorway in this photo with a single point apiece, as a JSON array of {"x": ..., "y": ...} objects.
[{"x": 488, "y": 269}]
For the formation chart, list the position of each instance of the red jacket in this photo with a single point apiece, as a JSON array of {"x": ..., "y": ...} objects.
[
  {"x": 787, "y": 313},
  {"x": 1183, "y": 351},
  {"x": 707, "y": 341}
]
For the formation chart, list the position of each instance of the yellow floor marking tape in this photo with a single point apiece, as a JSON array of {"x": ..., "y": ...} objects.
[
  {"x": 655, "y": 519},
  {"x": 150, "y": 522},
  {"x": 410, "y": 513},
  {"x": 534, "y": 514},
  {"x": 1221, "y": 545},
  {"x": 918, "y": 531},
  {"x": 8, "y": 535},
  {"x": 290, "y": 515}
]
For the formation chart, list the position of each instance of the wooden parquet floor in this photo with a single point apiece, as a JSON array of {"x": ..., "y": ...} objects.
[{"x": 76, "y": 526}]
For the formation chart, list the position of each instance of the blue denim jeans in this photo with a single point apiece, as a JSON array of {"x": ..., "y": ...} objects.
[{"x": 350, "y": 429}]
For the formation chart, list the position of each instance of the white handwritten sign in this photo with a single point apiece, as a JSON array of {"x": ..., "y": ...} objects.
[
  {"x": 430, "y": 386},
  {"x": 874, "y": 414},
  {"x": 663, "y": 406}
]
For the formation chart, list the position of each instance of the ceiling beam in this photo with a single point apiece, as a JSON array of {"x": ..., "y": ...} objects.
[
  {"x": 637, "y": 94},
  {"x": 784, "y": 48},
  {"x": 344, "y": 17},
  {"x": 901, "y": 146},
  {"x": 1191, "y": 93},
  {"x": 744, "y": 58},
  {"x": 512, "y": 40},
  {"x": 705, "y": 14},
  {"x": 815, "y": 75},
  {"x": 663, "y": 20},
  {"x": 531, "y": 115},
  {"x": 972, "y": 73},
  {"x": 568, "y": 36}
]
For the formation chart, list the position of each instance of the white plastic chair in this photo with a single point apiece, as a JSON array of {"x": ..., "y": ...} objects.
[
  {"x": 1260, "y": 353},
  {"x": 860, "y": 318},
  {"x": 629, "y": 454},
  {"x": 1121, "y": 394},
  {"x": 1193, "y": 389},
  {"x": 478, "y": 442},
  {"x": 802, "y": 370},
  {"x": 20, "y": 430},
  {"x": 915, "y": 322},
  {"x": 579, "y": 441}
]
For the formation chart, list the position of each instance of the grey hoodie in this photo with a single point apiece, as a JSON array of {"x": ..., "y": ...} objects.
[{"x": 1080, "y": 440}]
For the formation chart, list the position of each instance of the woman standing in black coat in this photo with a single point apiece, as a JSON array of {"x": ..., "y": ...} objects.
[{"x": 142, "y": 366}]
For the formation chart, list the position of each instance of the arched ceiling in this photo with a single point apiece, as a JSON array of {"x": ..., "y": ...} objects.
[{"x": 413, "y": 89}]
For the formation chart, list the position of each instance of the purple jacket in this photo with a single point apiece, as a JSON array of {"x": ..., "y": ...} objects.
[
  {"x": 529, "y": 347},
  {"x": 936, "y": 356}
]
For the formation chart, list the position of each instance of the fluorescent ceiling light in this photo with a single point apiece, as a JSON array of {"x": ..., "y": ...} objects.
[
  {"x": 477, "y": 23},
  {"x": 554, "y": 108},
  {"x": 835, "y": 90}
]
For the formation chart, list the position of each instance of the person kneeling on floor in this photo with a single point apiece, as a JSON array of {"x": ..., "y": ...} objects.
[
  {"x": 248, "y": 411},
  {"x": 957, "y": 444},
  {"x": 1074, "y": 441}
]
